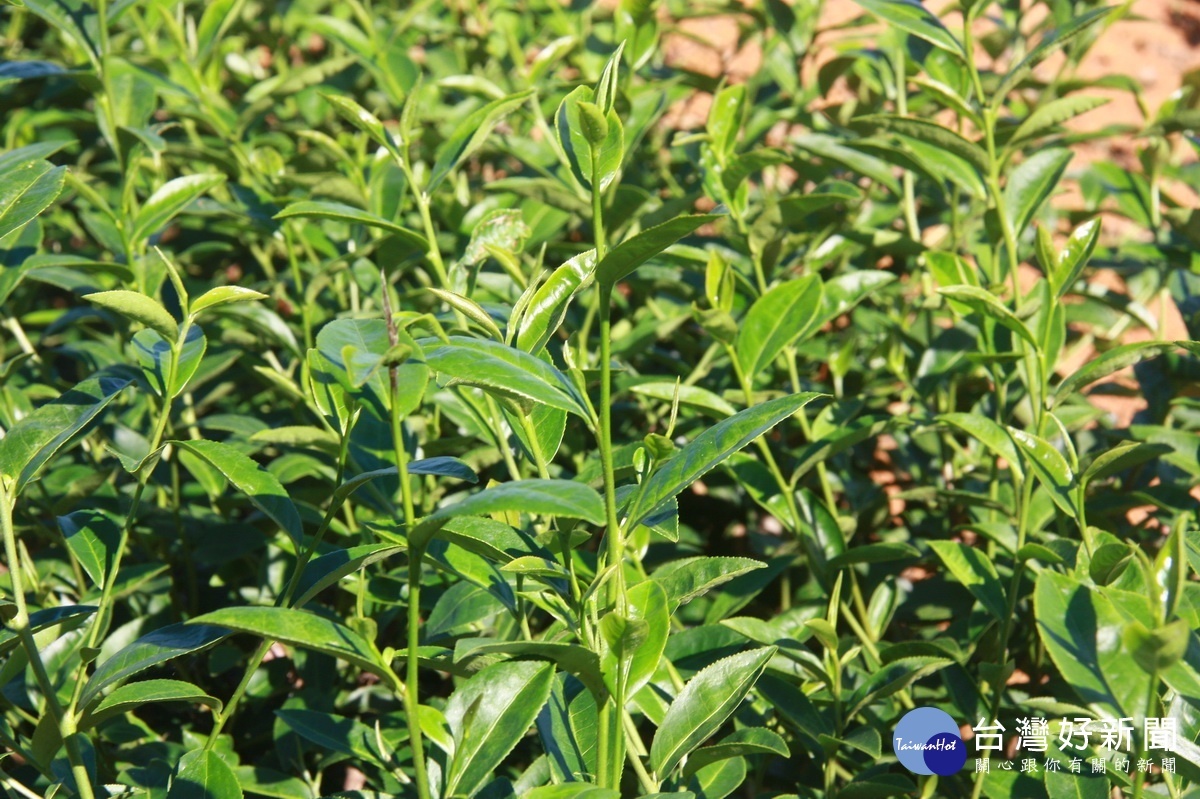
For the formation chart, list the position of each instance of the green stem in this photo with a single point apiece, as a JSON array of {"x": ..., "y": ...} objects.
[{"x": 20, "y": 623}]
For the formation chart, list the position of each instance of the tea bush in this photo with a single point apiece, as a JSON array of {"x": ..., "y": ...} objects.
[{"x": 402, "y": 400}]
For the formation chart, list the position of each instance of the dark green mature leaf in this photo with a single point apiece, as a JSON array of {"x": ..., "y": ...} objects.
[
  {"x": 1053, "y": 113},
  {"x": 703, "y": 705},
  {"x": 139, "y": 308},
  {"x": 261, "y": 487},
  {"x": 931, "y": 133},
  {"x": 326, "y": 570},
  {"x": 1067, "y": 785},
  {"x": 990, "y": 434},
  {"x": 986, "y": 303},
  {"x": 837, "y": 150},
  {"x": 34, "y": 440},
  {"x": 26, "y": 191},
  {"x": 685, "y": 579},
  {"x": 1123, "y": 456},
  {"x": 912, "y": 17},
  {"x": 339, "y": 734},
  {"x": 747, "y": 741},
  {"x": 975, "y": 572},
  {"x": 877, "y": 552},
  {"x": 1031, "y": 183},
  {"x": 1082, "y": 631},
  {"x": 573, "y": 659},
  {"x": 1109, "y": 362},
  {"x": 170, "y": 199},
  {"x": 131, "y": 696},
  {"x": 1054, "y": 40},
  {"x": 488, "y": 715},
  {"x": 299, "y": 628},
  {"x": 893, "y": 677},
  {"x": 627, "y": 256},
  {"x": 573, "y": 790},
  {"x": 352, "y": 216},
  {"x": 66, "y": 617},
  {"x": 506, "y": 371},
  {"x": 709, "y": 449},
  {"x": 470, "y": 135},
  {"x": 778, "y": 318},
  {"x": 202, "y": 774},
  {"x": 549, "y": 305},
  {"x": 150, "y": 650},
  {"x": 441, "y": 466},
  {"x": 565, "y": 498},
  {"x": 93, "y": 537}
]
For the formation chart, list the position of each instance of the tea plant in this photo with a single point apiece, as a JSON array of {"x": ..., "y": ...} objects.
[{"x": 398, "y": 402}]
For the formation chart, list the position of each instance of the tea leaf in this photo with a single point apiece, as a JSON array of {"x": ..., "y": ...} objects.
[
  {"x": 777, "y": 319},
  {"x": 351, "y": 216},
  {"x": 972, "y": 569},
  {"x": 171, "y": 199},
  {"x": 709, "y": 449},
  {"x": 747, "y": 741},
  {"x": 152, "y": 649},
  {"x": 35, "y": 439},
  {"x": 546, "y": 497},
  {"x": 470, "y": 135},
  {"x": 260, "y": 486},
  {"x": 1030, "y": 185},
  {"x": 627, "y": 256},
  {"x": 298, "y": 628},
  {"x": 547, "y": 309},
  {"x": 912, "y": 17},
  {"x": 488, "y": 715},
  {"x": 505, "y": 371},
  {"x": 134, "y": 695},
  {"x": 26, "y": 190},
  {"x": 202, "y": 774},
  {"x": 703, "y": 705},
  {"x": 139, "y": 308}
]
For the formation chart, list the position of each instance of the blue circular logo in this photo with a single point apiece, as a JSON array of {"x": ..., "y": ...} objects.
[{"x": 926, "y": 741}]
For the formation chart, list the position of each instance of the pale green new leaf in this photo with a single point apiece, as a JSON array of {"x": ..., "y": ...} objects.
[{"x": 139, "y": 308}]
